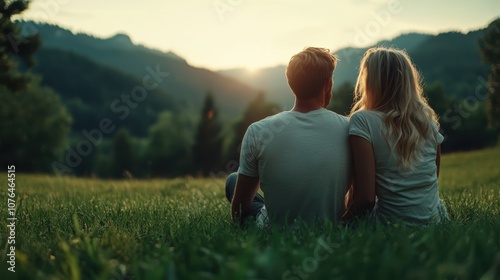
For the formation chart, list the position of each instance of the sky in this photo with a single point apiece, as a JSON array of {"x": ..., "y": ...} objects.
[{"x": 253, "y": 34}]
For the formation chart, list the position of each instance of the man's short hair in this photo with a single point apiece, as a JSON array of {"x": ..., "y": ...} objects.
[{"x": 309, "y": 70}]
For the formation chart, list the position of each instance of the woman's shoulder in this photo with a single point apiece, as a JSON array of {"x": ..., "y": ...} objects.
[
  {"x": 438, "y": 137},
  {"x": 366, "y": 115},
  {"x": 365, "y": 123}
]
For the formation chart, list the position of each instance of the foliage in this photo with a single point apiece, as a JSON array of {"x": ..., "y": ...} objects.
[
  {"x": 123, "y": 157},
  {"x": 170, "y": 145},
  {"x": 463, "y": 122},
  {"x": 342, "y": 98},
  {"x": 207, "y": 150},
  {"x": 258, "y": 109},
  {"x": 13, "y": 44},
  {"x": 33, "y": 127},
  {"x": 180, "y": 229},
  {"x": 93, "y": 92},
  {"x": 490, "y": 52}
]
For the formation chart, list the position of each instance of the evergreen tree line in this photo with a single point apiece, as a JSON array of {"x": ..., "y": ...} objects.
[
  {"x": 176, "y": 145},
  {"x": 179, "y": 145}
]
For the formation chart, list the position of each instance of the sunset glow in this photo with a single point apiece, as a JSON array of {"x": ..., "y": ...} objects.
[{"x": 224, "y": 34}]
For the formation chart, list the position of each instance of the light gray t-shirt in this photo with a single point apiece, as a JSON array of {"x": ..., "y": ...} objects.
[
  {"x": 303, "y": 162},
  {"x": 411, "y": 196}
]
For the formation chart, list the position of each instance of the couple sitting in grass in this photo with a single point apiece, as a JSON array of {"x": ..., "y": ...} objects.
[{"x": 314, "y": 165}]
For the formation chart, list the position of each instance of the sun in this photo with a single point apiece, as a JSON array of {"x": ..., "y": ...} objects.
[{"x": 252, "y": 70}]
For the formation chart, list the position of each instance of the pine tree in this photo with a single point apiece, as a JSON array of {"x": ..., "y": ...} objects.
[
  {"x": 258, "y": 109},
  {"x": 490, "y": 52},
  {"x": 170, "y": 144},
  {"x": 33, "y": 121},
  {"x": 342, "y": 98},
  {"x": 207, "y": 151},
  {"x": 13, "y": 44},
  {"x": 122, "y": 154}
]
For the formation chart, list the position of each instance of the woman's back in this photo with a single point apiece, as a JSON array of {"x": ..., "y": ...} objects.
[{"x": 407, "y": 194}]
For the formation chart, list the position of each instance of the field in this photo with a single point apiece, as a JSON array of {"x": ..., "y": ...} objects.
[{"x": 179, "y": 229}]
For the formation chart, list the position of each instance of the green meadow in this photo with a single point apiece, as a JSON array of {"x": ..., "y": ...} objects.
[{"x": 74, "y": 228}]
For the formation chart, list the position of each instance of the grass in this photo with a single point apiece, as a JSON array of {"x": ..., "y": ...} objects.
[{"x": 179, "y": 229}]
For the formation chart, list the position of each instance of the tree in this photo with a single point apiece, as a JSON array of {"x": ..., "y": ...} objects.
[
  {"x": 437, "y": 98},
  {"x": 33, "y": 127},
  {"x": 207, "y": 151},
  {"x": 490, "y": 52},
  {"x": 256, "y": 110},
  {"x": 342, "y": 99},
  {"x": 33, "y": 122},
  {"x": 463, "y": 123},
  {"x": 13, "y": 44},
  {"x": 122, "y": 154},
  {"x": 170, "y": 143}
]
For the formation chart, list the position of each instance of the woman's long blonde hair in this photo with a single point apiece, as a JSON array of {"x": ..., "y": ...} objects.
[{"x": 389, "y": 82}]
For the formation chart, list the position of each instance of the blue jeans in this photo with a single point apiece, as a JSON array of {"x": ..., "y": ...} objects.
[{"x": 258, "y": 200}]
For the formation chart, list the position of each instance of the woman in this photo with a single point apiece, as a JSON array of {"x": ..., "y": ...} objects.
[{"x": 395, "y": 143}]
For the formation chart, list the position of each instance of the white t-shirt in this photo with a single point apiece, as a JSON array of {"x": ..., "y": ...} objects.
[
  {"x": 303, "y": 162},
  {"x": 411, "y": 196}
]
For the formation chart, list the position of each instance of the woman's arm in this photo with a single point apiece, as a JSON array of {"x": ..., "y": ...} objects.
[
  {"x": 363, "y": 191},
  {"x": 438, "y": 160}
]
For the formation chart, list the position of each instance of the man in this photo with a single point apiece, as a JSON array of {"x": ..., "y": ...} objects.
[{"x": 301, "y": 157}]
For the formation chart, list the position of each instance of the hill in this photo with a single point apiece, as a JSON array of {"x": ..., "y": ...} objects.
[
  {"x": 92, "y": 92},
  {"x": 185, "y": 83},
  {"x": 452, "y": 58}
]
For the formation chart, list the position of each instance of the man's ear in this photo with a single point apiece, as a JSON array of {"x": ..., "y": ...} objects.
[{"x": 328, "y": 86}]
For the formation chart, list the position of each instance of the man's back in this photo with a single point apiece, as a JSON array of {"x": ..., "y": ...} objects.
[{"x": 303, "y": 162}]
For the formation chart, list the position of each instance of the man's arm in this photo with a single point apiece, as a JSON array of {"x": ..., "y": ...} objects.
[
  {"x": 245, "y": 190},
  {"x": 363, "y": 191}
]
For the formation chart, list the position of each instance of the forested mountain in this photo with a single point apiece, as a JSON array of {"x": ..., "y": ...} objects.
[
  {"x": 187, "y": 84},
  {"x": 452, "y": 58},
  {"x": 92, "y": 92}
]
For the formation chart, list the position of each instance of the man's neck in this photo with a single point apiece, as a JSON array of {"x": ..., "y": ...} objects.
[{"x": 307, "y": 105}]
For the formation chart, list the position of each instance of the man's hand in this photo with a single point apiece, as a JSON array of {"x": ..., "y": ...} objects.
[{"x": 245, "y": 190}]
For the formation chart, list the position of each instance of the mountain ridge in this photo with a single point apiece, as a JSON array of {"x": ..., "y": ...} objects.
[
  {"x": 188, "y": 84},
  {"x": 234, "y": 88},
  {"x": 431, "y": 54}
]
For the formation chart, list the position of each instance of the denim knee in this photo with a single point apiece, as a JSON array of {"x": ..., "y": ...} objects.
[{"x": 230, "y": 185}]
